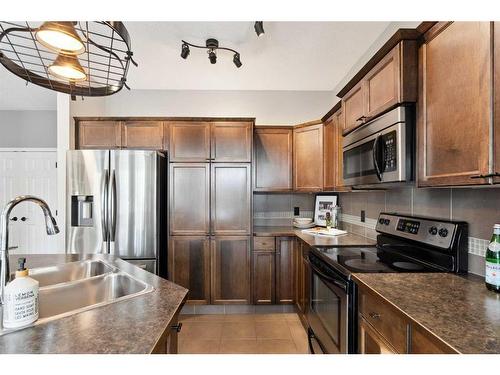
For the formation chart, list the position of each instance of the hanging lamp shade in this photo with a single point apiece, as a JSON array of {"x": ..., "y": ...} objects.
[
  {"x": 60, "y": 37},
  {"x": 67, "y": 67}
]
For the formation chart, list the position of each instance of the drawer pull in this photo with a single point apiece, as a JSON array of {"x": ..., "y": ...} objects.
[
  {"x": 177, "y": 327},
  {"x": 374, "y": 315}
]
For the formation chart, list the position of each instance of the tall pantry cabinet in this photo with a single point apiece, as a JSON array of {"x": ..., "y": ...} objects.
[{"x": 210, "y": 209}]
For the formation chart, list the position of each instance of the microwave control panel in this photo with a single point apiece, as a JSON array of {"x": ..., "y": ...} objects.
[{"x": 389, "y": 140}]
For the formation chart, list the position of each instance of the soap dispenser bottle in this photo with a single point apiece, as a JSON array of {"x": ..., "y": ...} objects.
[{"x": 21, "y": 299}]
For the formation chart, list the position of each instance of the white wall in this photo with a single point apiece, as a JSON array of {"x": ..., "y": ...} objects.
[
  {"x": 268, "y": 107},
  {"x": 28, "y": 129}
]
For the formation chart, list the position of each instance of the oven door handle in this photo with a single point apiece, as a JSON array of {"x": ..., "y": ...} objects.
[
  {"x": 340, "y": 284},
  {"x": 375, "y": 158}
]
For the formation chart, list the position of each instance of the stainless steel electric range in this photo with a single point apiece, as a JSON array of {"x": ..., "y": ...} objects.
[{"x": 404, "y": 244}]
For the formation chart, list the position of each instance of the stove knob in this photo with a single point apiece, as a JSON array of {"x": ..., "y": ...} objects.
[
  {"x": 387, "y": 221},
  {"x": 433, "y": 230},
  {"x": 381, "y": 221},
  {"x": 443, "y": 232}
]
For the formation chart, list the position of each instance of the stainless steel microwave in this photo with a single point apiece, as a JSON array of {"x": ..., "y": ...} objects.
[{"x": 382, "y": 150}]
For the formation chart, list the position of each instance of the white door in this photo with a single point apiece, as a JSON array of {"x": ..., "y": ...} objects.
[{"x": 29, "y": 173}]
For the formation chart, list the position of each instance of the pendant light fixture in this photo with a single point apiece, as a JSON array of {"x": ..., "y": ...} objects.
[
  {"x": 211, "y": 45},
  {"x": 67, "y": 67},
  {"x": 60, "y": 37},
  {"x": 77, "y": 58}
]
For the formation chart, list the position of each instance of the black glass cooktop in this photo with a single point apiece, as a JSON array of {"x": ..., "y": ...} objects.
[{"x": 371, "y": 260}]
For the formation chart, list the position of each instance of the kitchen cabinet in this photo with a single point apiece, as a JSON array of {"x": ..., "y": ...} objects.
[
  {"x": 98, "y": 134},
  {"x": 391, "y": 81},
  {"x": 168, "y": 342},
  {"x": 230, "y": 276},
  {"x": 231, "y": 141},
  {"x": 189, "y": 206},
  {"x": 423, "y": 342},
  {"x": 230, "y": 199},
  {"x": 455, "y": 106},
  {"x": 189, "y": 266},
  {"x": 273, "y": 155},
  {"x": 189, "y": 141},
  {"x": 330, "y": 153},
  {"x": 264, "y": 277},
  {"x": 370, "y": 342},
  {"x": 142, "y": 135},
  {"x": 303, "y": 278},
  {"x": 285, "y": 270},
  {"x": 308, "y": 157}
]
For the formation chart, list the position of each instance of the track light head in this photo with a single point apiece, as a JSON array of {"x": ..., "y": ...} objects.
[
  {"x": 185, "y": 51},
  {"x": 237, "y": 61},
  {"x": 259, "y": 28},
  {"x": 212, "y": 57}
]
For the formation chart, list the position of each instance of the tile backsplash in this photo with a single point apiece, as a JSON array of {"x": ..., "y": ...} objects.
[{"x": 480, "y": 207}]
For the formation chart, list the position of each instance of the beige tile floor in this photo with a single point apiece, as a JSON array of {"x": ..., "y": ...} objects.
[{"x": 242, "y": 334}]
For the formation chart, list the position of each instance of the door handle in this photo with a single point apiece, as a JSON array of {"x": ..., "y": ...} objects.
[
  {"x": 112, "y": 207},
  {"x": 104, "y": 206},
  {"x": 375, "y": 158}
]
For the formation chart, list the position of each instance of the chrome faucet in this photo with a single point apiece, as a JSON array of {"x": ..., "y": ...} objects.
[{"x": 50, "y": 223}]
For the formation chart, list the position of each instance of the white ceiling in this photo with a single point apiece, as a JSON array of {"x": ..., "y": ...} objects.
[{"x": 296, "y": 56}]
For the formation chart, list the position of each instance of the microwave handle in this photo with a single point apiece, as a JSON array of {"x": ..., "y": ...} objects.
[{"x": 375, "y": 156}]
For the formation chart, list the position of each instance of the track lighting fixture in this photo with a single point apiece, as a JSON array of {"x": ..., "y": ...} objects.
[
  {"x": 211, "y": 45},
  {"x": 259, "y": 28},
  {"x": 185, "y": 51}
]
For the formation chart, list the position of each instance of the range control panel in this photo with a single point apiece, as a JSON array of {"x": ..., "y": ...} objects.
[{"x": 432, "y": 232}]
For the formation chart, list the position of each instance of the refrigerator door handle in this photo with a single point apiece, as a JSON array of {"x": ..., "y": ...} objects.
[
  {"x": 104, "y": 206},
  {"x": 112, "y": 207}
]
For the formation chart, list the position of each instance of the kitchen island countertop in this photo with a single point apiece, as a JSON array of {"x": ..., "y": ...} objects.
[
  {"x": 458, "y": 310},
  {"x": 135, "y": 325}
]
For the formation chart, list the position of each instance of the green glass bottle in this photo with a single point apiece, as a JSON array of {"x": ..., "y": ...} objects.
[{"x": 492, "y": 260}]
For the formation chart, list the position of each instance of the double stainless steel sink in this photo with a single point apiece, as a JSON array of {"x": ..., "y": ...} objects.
[{"x": 71, "y": 288}]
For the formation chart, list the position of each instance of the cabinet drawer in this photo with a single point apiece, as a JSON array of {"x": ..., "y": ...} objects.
[
  {"x": 423, "y": 342},
  {"x": 385, "y": 319},
  {"x": 264, "y": 243}
]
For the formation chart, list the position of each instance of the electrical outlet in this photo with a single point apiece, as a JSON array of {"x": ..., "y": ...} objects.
[
  {"x": 363, "y": 216},
  {"x": 296, "y": 211}
]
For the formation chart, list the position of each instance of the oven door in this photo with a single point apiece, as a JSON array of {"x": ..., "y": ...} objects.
[{"x": 328, "y": 311}]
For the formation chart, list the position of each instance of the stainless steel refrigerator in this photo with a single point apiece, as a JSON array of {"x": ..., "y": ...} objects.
[{"x": 117, "y": 204}]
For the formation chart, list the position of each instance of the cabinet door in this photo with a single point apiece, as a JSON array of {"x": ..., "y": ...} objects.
[
  {"x": 353, "y": 107},
  {"x": 230, "y": 257},
  {"x": 263, "y": 277},
  {"x": 189, "y": 266},
  {"x": 230, "y": 199},
  {"x": 382, "y": 84},
  {"x": 189, "y": 141},
  {"x": 370, "y": 342},
  {"x": 189, "y": 198},
  {"x": 496, "y": 112},
  {"x": 231, "y": 142},
  {"x": 423, "y": 342},
  {"x": 142, "y": 135},
  {"x": 308, "y": 158},
  {"x": 454, "y": 107},
  {"x": 285, "y": 270},
  {"x": 98, "y": 135},
  {"x": 330, "y": 153},
  {"x": 273, "y": 159}
]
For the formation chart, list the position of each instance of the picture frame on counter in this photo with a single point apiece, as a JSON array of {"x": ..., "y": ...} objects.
[{"x": 324, "y": 204}]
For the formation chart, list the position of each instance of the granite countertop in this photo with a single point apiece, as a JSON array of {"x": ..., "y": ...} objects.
[
  {"x": 459, "y": 310},
  {"x": 134, "y": 325},
  {"x": 344, "y": 240}
]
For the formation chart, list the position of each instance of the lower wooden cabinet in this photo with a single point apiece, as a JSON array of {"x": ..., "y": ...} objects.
[
  {"x": 423, "y": 342},
  {"x": 371, "y": 342},
  {"x": 230, "y": 275},
  {"x": 168, "y": 342},
  {"x": 302, "y": 278},
  {"x": 273, "y": 270},
  {"x": 189, "y": 266}
]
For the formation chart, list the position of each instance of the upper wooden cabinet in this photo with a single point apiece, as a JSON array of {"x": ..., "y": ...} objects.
[
  {"x": 142, "y": 135},
  {"x": 391, "y": 81},
  {"x": 308, "y": 157},
  {"x": 189, "y": 204},
  {"x": 273, "y": 150},
  {"x": 231, "y": 142},
  {"x": 189, "y": 141},
  {"x": 230, "y": 199},
  {"x": 330, "y": 153},
  {"x": 98, "y": 134},
  {"x": 454, "y": 114}
]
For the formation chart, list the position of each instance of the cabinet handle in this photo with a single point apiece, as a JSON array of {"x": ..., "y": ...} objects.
[
  {"x": 374, "y": 315},
  {"x": 14, "y": 218},
  {"x": 362, "y": 119},
  {"x": 496, "y": 174},
  {"x": 177, "y": 327}
]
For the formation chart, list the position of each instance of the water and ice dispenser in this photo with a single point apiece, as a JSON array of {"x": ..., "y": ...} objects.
[{"x": 82, "y": 211}]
